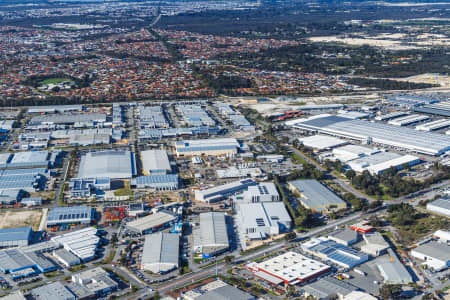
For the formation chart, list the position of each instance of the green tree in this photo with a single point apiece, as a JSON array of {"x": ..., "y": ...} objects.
[
  {"x": 350, "y": 174},
  {"x": 229, "y": 259},
  {"x": 390, "y": 291}
]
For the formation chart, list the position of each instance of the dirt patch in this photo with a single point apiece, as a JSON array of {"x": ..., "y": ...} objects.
[{"x": 23, "y": 218}]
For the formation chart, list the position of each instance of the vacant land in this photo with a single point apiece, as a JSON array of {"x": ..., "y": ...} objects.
[
  {"x": 11, "y": 219},
  {"x": 54, "y": 80}
]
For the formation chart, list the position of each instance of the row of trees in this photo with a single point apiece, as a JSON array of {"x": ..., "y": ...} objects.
[
  {"x": 393, "y": 184},
  {"x": 387, "y": 84},
  {"x": 302, "y": 216}
]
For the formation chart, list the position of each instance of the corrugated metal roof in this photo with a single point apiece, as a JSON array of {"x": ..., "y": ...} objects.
[
  {"x": 441, "y": 203},
  {"x": 329, "y": 286},
  {"x": 52, "y": 291},
  {"x": 72, "y": 214},
  {"x": 15, "y": 234},
  {"x": 227, "y": 292},
  {"x": 170, "y": 178},
  {"x": 315, "y": 195},
  {"x": 150, "y": 221},
  {"x": 161, "y": 248},
  {"x": 155, "y": 160},
  {"x": 263, "y": 214},
  {"x": 423, "y": 142},
  {"x": 213, "y": 229},
  {"x": 107, "y": 164},
  {"x": 434, "y": 249}
]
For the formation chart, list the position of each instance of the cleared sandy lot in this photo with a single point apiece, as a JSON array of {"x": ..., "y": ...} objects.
[{"x": 22, "y": 218}]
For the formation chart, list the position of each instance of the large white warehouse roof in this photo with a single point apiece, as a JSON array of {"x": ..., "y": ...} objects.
[
  {"x": 107, "y": 164},
  {"x": 402, "y": 137},
  {"x": 161, "y": 252},
  {"x": 155, "y": 161}
]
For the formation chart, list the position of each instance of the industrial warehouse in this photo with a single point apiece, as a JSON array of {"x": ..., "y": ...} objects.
[
  {"x": 70, "y": 215},
  {"x": 440, "y": 206},
  {"x": 224, "y": 146},
  {"x": 258, "y": 221},
  {"x": 315, "y": 196},
  {"x": 289, "y": 268},
  {"x": 340, "y": 254},
  {"x": 212, "y": 236},
  {"x": 15, "y": 237},
  {"x": 379, "y": 133},
  {"x": 155, "y": 162},
  {"x": 154, "y": 207},
  {"x": 161, "y": 252},
  {"x": 152, "y": 222},
  {"x": 224, "y": 191},
  {"x": 107, "y": 164},
  {"x": 82, "y": 243},
  {"x": 159, "y": 182},
  {"x": 379, "y": 162}
]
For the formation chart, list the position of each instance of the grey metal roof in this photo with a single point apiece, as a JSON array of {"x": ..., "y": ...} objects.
[
  {"x": 150, "y": 221},
  {"x": 376, "y": 158},
  {"x": 441, "y": 202},
  {"x": 329, "y": 286},
  {"x": 315, "y": 194},
  {"x": 161, "y": 248},
  {"x": 67, "y": 256},
  {"x": 4, "y": 158},
  {"x": 40, "y": 260},
  {"x": 226, "y": 292},
  {"x": 68, "y": 118},
  {"x": 14, "y": 259},
  {"x": 154, "y": 179},
  {"x": 29, "y": 159},
  {"x": 60, "y": 215},
  {"x": 393, "y": 271},
  {"x": 107, "y": 164},
  {"x": 263, "y": 214},
  {"x": 404, "y": 137},
  {"x": 213, "y": 229},
  {"x": 155, "y": 161},
  {"x": 15, "y": 296},
  {"x": 80, "y": 291},
  {"x": 15, "y": 234},
  {"x": 54, "y": 108},
  {"x": 52, "y": 291},
  {"x": 434, "y": 249},
  {"x": 346, "y": 235}
]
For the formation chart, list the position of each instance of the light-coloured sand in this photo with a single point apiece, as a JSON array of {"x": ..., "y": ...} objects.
[{"x": 21, "y": 218}]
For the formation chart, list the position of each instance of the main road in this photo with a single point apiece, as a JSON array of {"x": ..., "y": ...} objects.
[{"x": 221, "y": 267}]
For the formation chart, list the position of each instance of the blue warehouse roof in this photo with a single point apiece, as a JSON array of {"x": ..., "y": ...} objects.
[
  {"x": 14, "y": 234},
  {"x": 340, "y": 254},
  {"x": 61, "y": 215},
  {"x": 206, "y": 148},
  {"x": 157, "y": 179}
]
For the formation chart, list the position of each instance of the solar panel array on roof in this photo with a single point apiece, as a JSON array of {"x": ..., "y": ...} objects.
[
  {"x": 22, "y": 179},
  {"x": 338, "y": 253},
  {"x": 66, "y": 215},
  {"x": 158, "y": 182}
]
